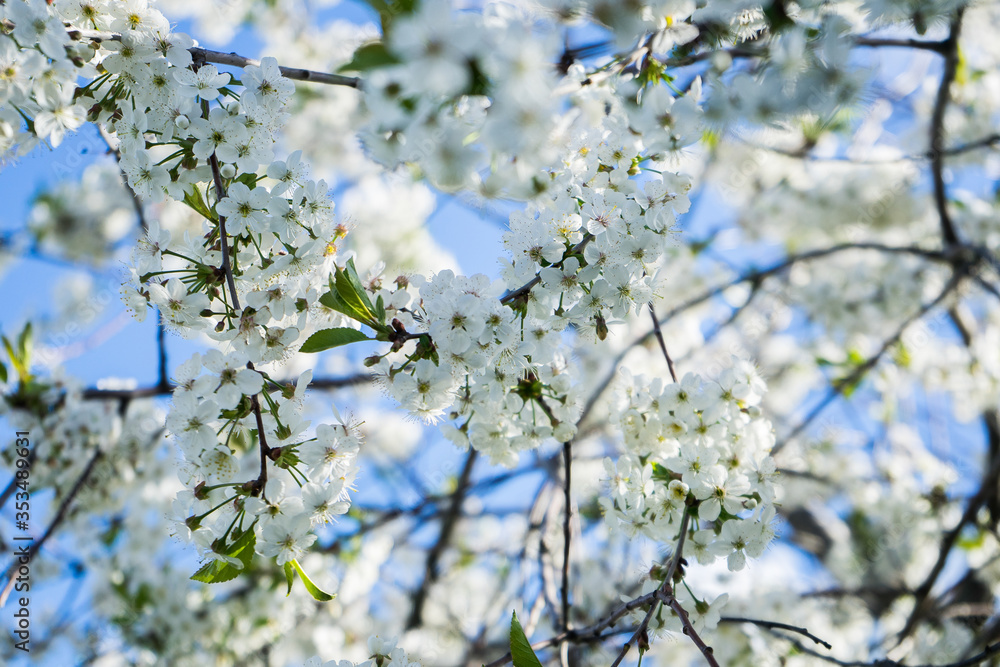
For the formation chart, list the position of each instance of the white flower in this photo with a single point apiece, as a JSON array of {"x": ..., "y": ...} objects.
[
  {"x": 220, "y": 134},
  {"x": 266, "y": 83},
  {"x": 285, "y": 539},
  {"x": 204, "y": 83},
  {"x": 322, "y": 502},
  {"x": 235, "y": 379},
  {"x": 178, "y": 306},
  {"x": 59, "y": 113},
  {"x": 244, "y": 208}
]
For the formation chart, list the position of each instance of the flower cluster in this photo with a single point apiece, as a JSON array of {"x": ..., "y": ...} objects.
[
  {"x": 698, "y": 447},
  {"x": 185, "y": 133},
  {"x": 491, "y": 356},
  {"x": 454, "y": 76},
  {"x": 475, "y": 102}
]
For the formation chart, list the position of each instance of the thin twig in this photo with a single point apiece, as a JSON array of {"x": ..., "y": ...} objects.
[
  {"x": 663, "y": 345},
  {"x": 689, "y": 630},
  {"x": 260, "y": 484},
  {"x": 776, "y": 625},
  {"x": 664, "y": 588},
  {"x": 935, "y": 46},
  {"x": 757, "y": 276},
  {"x": 448, "y": 523},
  {"x": 56, "y": 520},
  {"x": 842, "y": 385},
  {"x": 231, "y": 59},
  {"x": 567, "y": 530},
  {"x": 989, "y": 652},
  {"x": 524, "y": 289}
]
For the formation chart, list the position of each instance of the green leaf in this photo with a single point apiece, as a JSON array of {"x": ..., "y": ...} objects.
[
  {"x": 21, "y": 365},
  {"x": 289, "y": 577},
  {"x": 25, "y": 345},
  {"x": 314, "y": 590},
  {"x": 368, "y": 57},
  {"x": 352, "y": 275},
  {"x": 12, "y": 355},
  {"x": 353, "y": 293},
  {"x": 380, "y": 309},
  {"x": 333, "y": 300},
  {"x": 520, "y": 648},
  {"x": 194, "y": 199},
  {"x": 329, "y": 338},
  {"x": 218, "y": 571},
  {"x": 3, "y": 372}
]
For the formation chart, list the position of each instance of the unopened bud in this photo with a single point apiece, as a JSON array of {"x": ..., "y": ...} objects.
[
  {"x": 228, "y": 171},
  {"x": 182, "y": 122},
  {"x": 372, "y": 360}
]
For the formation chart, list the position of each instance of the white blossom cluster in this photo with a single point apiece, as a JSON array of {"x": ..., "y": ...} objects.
[
  {"x": 451, "y": 76},
  {"x": 484, "y": 102},
  {"x": 84, "y": 220},
  {"x": 699, "y": 447},
  {"x": 183, "y": 134}
]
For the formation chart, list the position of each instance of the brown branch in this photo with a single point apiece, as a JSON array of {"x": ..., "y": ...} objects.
[
  {"x": 56, "y": 520},
  {"x": 663, "y": 345},
  {"x": 936, "y": 46},
  {"x": 567, "y": 530},
  {"x": 950, "y": 51},
  {"x": 689, "y": 630},
  {"x": 231, "y": 59},
  {"x": 140, "y": 211},
  {"x": 757, "y": 276},
  {"x": 985, "y": 496},
  {"x": 979, "y": 658},
  {"x": 663, "y": 590},
  {"x": 840, "y": 386},
  {"x": 776, "y": 625},
  {"x": 589, "y": 634},
  {"x": 448, "y": 523},
  {"x": 259, "y": 485},
  {"x": 972, "y": 145},
  {"x": 95, "y": 394}
]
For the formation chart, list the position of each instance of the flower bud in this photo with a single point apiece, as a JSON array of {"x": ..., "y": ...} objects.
[
  {"x": 182, "y": 122},
  {"x": 228, "y": 171}
]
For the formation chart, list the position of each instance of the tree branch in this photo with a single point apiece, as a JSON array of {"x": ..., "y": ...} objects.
[
  {"x": 231, "y": 59},
  {"x": 843, "y": 384},
  {"x": 663, "y": 345},
  {"x": 665, "y": 590},
  {"x": 776, "y": 625},
  {"x": 950, "y": 51},
  {"x": 448, "y": 523},
  {"x": 56, "y": 520},
  {"x": 935, "y": 46}
]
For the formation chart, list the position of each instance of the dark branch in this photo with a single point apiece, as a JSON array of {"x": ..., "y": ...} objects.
[
  {"x": 448, "y": 523},
  {"x": 775, "y": 625},
  {"x": 231, "y": 59},
  {"x": 56, "y": 520},
  {"x": 937, "y": 147}
]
